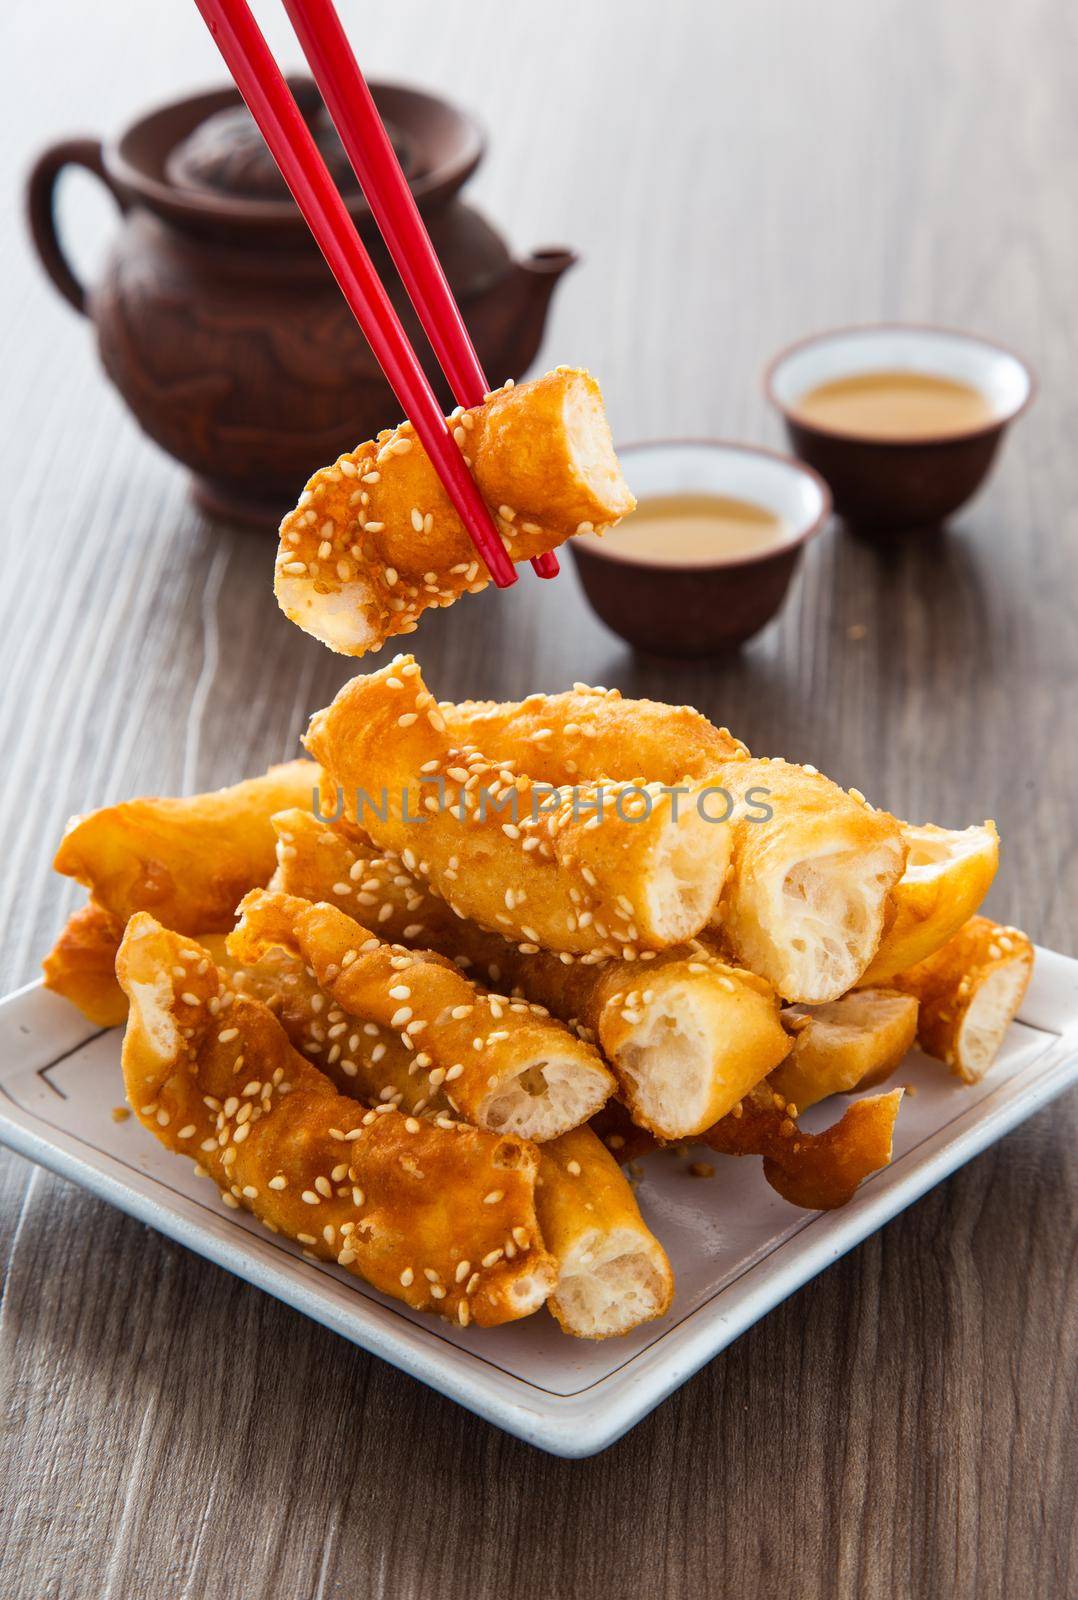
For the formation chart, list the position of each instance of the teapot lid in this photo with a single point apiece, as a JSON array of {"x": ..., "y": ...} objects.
[
  {"x": 227, "y": 155},
  {"x": 201, "y": 163}
]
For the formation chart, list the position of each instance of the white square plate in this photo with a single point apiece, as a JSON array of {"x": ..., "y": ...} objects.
[{"x": 736, "y": 1247}]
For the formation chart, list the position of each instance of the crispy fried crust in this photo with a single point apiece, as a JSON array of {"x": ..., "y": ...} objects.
[
  {"x": 82, "y": 965},
  {"x": 819, "y": 1171},
  {"x": 187, "y": 861},
  {"x": 970, "y": 991},
  {"x": 852, "y": 1043},
  {"x": 810, "y": 888},
  {"x": 687, "y": 1034},
  {"x": 818, "y": 872},
  {"x": 613, "y": 1273},
  {"x": 571, "y": 871},
  {"x": 412, "y": 1208},
  {"x": 506, "y": 1066},
  {"x": 375, "y": 540},
  {"x": 594, "y": 733},
  {"x": 947, "y": 875}
]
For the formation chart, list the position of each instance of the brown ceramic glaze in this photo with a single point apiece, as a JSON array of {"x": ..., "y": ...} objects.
[
  {"x": 694, "y": 611},
  {"x": 886, "y": 486},
  {"x": 219, "y": 321}
]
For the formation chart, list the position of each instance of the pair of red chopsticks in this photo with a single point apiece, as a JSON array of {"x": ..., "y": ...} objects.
[{"x": 351, "y": 106}]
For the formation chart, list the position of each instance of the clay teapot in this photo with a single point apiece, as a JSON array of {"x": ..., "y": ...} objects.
[{"x": 219, "y": 321}]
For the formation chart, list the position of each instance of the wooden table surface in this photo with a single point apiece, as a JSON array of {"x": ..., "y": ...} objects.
[{"x": 734, "y": 176}]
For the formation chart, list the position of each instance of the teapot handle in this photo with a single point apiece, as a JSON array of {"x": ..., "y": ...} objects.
[{"x": 41, "y": 208}]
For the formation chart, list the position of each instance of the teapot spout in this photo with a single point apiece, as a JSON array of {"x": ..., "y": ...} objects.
[
  {"x": 548, "y": 264},
  {"x": 532, "y": 284}
]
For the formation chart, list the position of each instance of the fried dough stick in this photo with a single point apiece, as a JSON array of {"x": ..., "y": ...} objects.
[
  {"x": 188, "y": 861},
  {"x": 948, "y": 872},
  {"x": 819, "y": 1171},
  {"x": 506, "y": 1065},
  {"x": 808, "y": 894},
  {"x": 413, "y": 1209},
  {"x": 847, "y": 1044},
  {"x": 375, "y": 539},
  {"x": 970, "y": 991},
  {"x": 594, "y": 733},
  {"x": 81, "y": 965},
  {"x": 811, "y": 885},
  {"x": 686, "y": 1034},
  {"x": 613, "y": 1273},
  {"x": 610, "y": 870}
]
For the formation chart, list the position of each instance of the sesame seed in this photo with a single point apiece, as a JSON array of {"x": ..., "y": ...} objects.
[
  {"x": 407, "y": 1278},
  {"x": 493, "y": 1197},
  {"x": 279, "y": 1182}
]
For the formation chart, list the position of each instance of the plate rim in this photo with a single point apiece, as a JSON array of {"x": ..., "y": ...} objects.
[{"x": 591, "y": 1419}]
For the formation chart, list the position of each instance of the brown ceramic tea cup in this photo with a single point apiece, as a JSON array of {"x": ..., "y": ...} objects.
[
  {"x": 888, "y": 484},
  {"x": 710, "y": 606}
]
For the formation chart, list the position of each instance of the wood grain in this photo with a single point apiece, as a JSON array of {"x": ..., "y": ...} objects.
[{"x": 733, "y": 176}]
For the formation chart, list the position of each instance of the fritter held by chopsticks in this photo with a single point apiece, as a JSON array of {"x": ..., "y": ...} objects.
[
  {"x": 375, "y": 540},
  {"x": 424, "y": 1213}
]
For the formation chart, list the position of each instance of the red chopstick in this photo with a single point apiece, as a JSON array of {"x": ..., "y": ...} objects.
[
  {"x": 270, "y": 102},
  {"x": 351, "y": 105}
]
